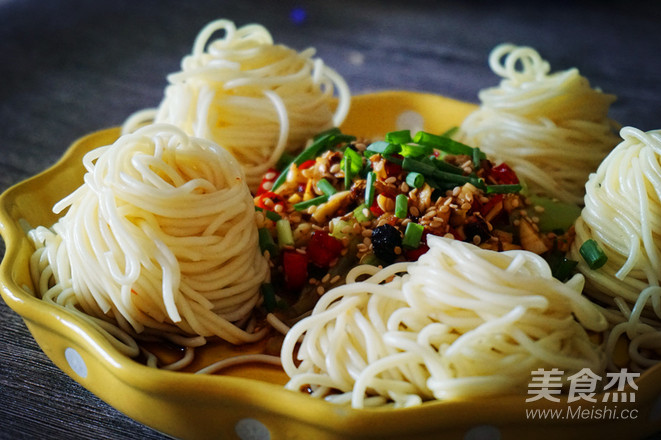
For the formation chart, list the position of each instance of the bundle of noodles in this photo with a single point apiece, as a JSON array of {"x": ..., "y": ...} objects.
[
  {"x": 622, "y": 214},
  {"x": 462, "y": 321},
  {"x": 552, "y": 129},
  {"x": 159, "y": 239},
  {"x": 254, "y": 98}
]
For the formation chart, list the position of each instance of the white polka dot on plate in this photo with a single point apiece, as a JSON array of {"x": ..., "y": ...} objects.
[
  {"x": 76, "y": 362},
  {"x": 410, "y": 120},
  {"x": 251, "y": 429},
  {"x": 483, "y": 432}
]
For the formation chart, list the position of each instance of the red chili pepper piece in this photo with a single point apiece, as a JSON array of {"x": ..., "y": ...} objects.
[
  {"x": 267, "y": 181},
  {"x": 376, "y": 209},
  {"x": 414, "y": 254},
  {"x": 306, "y": 164},
  {"x": 322, "y": 248},
  {"x": 277, "y": 200},
  {"x": 393, "y": 169},
  {"x": 504, "y": 175},
  {"x": 295, "y": 267},
  {"x": 493, "y": 201}
]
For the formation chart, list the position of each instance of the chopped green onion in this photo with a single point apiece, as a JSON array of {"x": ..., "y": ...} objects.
[
  {"x": 285, "y": 236},
  {"x": 360, "y": 213},
  {"x": 561, "y": 267},
  {"x": 425, "y": 138},
  {"x": 266, "y": 242},
  {"x": 564, "y": 269},
  {"x": 377, "y": 147},
  {"x": 554, "y": 215},
  {"x": 370, "y": 189},
  {"x": 415, "y": 180},
  {"x": 410, "y": 164},
  {"x": 341, "y": 229},
  {"x": 271, "y": 215},
  {"x": 348, "y": 173},
  {"x": 446, "y": 166},
  {"x": 399, "y": 137},
  {"x": 268, "y": 292},
  {"x": 412, "y": 235},
  {"x": 326, "y": 187},
  {"x": 503, "y": 189},
  {"x": 415, "y": 150},
  {"x": 593, "y": 254},
  {"x": 322, "y": 142},
  {"x": 300, "y": 206},
  {"x": 446, "y": 144},
  {"x": 352, "y": 164},
  {"x": 478, "y": 182},
  {"x": 440, "y": 179},
  {"x": 401, "y": 206},
  {"x": 476, "y": 157},
  {"x": 383, "y": 148},
  {"x": 426, "y": 169}
]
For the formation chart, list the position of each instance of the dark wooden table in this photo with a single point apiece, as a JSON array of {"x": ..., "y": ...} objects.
[{"x": 71, "y": 67}]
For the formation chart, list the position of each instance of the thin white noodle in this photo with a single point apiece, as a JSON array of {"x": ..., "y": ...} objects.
[
  {"x": 249, "y": 95},
  {"x": 410, "y": 339},
  {"x": 159, "y": 239},
  {"x": 277, "y": 324},
  {"x": 551, "y": 128},
  {"x": 622, "y": 214}
]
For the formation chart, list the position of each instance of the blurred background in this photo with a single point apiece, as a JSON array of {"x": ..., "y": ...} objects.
[{"x": 70, "y": 67}]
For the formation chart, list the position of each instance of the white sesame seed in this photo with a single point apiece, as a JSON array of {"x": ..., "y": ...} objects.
[{"x": 267, "y": 186}]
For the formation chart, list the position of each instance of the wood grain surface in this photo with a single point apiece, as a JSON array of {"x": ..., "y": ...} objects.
[{"x": 70, "y": 67}]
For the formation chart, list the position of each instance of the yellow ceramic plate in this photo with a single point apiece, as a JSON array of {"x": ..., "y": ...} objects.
[{"x": 250, "y": 402}]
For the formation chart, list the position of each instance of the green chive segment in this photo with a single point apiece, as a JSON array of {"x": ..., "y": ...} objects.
[
  {"x": 448, "y": 145},
  {"x": 326, "y": 187},
  {"x": 285, "y": 236},
  {"x": 413, "y": 235},
  {"x": 268, "y": 292},
  {"x": 370, "y": 189},
  {"x": 415, "y": 180},
  {"x": 271, "y": 215},
  {"x": 383, "y": 148},
  {"x": 401, "y": 206},
  {"x": 300, "y": 206},
  {"x": 503, "y": 189},
  {"x": 399, "y": 137},
  {"x": 593, "y": 255},
  {"x": 322, "y": 142},
  {"x": 266, "y": 242},
  {"x": 362, "y": 213}
]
